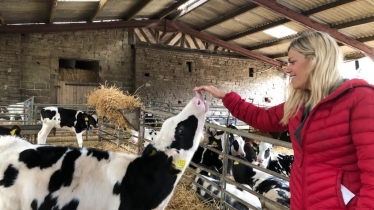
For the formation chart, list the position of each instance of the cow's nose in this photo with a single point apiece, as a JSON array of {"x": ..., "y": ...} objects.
[
  {"x": 242, "y": 154},
  {"x": 259, "y": 160}
]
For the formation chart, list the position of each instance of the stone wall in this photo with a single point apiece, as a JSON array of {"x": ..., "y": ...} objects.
[
  {"x": 29, "y": 67},
  {"x": 10, "y": 68},
  {"x": 164, "y": 75},
  {"x": 33, "y": 60}
]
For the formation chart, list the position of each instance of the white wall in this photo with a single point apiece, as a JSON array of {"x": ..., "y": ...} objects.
[{"x": 365, "y": 70}]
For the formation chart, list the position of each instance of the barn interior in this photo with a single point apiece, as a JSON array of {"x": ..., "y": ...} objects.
[{"x": 56, "y": 52}]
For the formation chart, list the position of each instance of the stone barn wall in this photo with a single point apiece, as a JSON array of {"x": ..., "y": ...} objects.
[
  {"x": 29, "y": 67},
  {"x": 29, "y": 62},
  {"x": 164, "y": 75}
]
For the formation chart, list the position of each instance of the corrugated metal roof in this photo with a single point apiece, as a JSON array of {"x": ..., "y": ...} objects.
[
  {"x": 112, "y": 9},
  {"x": 245, "y": 28},
  {"x": 67, "y": 11},
  {"x": 347, "y": 12}
]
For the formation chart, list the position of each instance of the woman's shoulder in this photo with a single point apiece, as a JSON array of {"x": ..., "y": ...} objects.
[
  {"x": 357, "y": 85},
  {"x": 359, "y": 90}
]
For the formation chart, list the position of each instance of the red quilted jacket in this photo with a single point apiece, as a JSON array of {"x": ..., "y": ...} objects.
[{"x": 337, "y": 146}]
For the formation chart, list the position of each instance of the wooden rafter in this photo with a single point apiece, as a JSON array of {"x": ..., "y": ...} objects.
[
  {"x": 2, "y": 21},
  {"x": 364, "y": 39},
  {"x": 354, "y": 23},
  {"x": 169, "y": 10},
  {"x": 167, "y": 41},
  {"x": 195, "y": 42},
  {"x": 99, "y": 8},
  {"x": 283, "y": 21},
  {"x": 138, "y": 7},
  {"x": 235, "y": 48},
  {"x": 52, "y": 12},
  {"x": 144, "y": 35},
  {"x": 44, "y": 28},
  {"x": 310, "y": 23},
  {"x": 337, "y": 26},
  {"x": 228, "y": 16}
]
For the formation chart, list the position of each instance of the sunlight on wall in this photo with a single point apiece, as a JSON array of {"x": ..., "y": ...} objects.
[{"x": 364, "y": 71}]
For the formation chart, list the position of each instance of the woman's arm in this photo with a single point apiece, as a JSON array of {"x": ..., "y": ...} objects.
[{"x": 260, "y": 118}]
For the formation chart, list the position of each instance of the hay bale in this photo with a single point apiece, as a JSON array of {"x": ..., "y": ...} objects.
[
  {"x": 78, "y": 75},
  {"x": 109, "y": 100}
]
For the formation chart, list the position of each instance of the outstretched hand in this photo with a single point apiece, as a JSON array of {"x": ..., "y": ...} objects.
[{"x": 215, "y": 92}]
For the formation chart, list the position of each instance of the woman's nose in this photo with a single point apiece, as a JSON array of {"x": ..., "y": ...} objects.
[{"x": 286, "y": 69}]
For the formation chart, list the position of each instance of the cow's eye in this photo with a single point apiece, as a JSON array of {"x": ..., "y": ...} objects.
[{"x": 180, "y": 132}]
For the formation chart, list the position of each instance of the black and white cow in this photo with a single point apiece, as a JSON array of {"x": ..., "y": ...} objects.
[
  {"x": 215, "y": 189},
  {"x": 271, "y": 187},
  {"x": 37, "y": 177},
  {"x": 14, "y": 131},
  {"x": 215, "y": 140},
  {"x": 276, "y": 162},
  {"x": 149, "y": 134},
  {"x": 67, "y": 119}
]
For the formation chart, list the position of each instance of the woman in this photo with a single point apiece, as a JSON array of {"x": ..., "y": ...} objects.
[{"x": 331, "y": 123}]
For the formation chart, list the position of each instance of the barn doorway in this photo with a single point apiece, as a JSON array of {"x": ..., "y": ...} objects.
[{"x": 76, "y": 79}]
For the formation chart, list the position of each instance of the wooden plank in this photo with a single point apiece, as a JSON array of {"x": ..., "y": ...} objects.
[
  {"x": 52, "y": 12},
  {"x": 99, "y": 8},
  {"x": 144, "y": 35},
  {"x": 191, "y": 43},
  {"x": 2, "y": 21}
]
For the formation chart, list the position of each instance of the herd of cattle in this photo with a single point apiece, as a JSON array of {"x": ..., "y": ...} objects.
[{"x": 40, "y": 176}]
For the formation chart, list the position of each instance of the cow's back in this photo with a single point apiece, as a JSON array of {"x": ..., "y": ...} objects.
[{"x": 47, "y": 176}]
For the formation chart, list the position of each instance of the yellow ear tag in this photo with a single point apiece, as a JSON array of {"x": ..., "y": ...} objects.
[
  {"x": 214, "y": 143},
  {"x": 254, "y": 148},
  {"x": 288, "y": 134},
  {"x": 180, "y": 163},
  {"x": 208, "y": 173},
  {"x": 153, "y": 152},
  {"x": 86, "y": 118},
  {"x": 12, "y": 132},
  {"x": 236, "y": 163}
]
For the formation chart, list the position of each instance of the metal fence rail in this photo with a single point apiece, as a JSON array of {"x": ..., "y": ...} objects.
[{"x": 226, "y": 157}]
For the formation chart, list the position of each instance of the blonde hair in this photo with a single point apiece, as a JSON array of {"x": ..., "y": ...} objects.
[{"x": 325, "y": 57}]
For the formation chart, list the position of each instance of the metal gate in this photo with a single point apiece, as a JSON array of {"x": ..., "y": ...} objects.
[{"x": 74, "y": 92}]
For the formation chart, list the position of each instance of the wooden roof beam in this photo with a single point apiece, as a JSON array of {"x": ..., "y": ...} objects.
[
  {"x": 283, "y": 21},
  {"x": 52, "y": 12},
  {"x": 228, "y": 16},
  {"x": 304, "y": 20},
  {"x": 210, "y": 39},
  {"x": 363, "y": 39},
  {"x": 169, "y": 10},
  {"x": 99, "y": 8},
  {"x": 337, "y": 26},
  {"x": 138, "y": 7},
  {"x": 44, "y": 28},
  {"x": 2, "y": 21}
]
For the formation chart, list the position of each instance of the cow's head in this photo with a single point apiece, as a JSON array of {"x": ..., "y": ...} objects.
[
  {"x": 237, "y": 147},
  {"x": 180, "y": 135},
  {"x": 263, "y": 156},
  {"x": 91, "y": 121},
  {"x": 15, "y": 131},
  {"x": 3, "y": 109}
]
